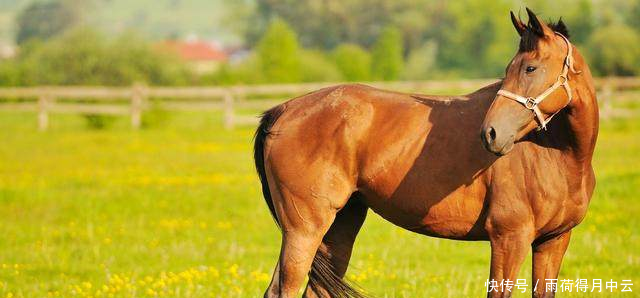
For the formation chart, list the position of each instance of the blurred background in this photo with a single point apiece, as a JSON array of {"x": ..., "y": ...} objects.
[
  {"x": 174, "y": 42},
  {"x": 126, "y": 131}
]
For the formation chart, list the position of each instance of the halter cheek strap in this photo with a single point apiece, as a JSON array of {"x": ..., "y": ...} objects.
[{"x": 532, "y": 103}]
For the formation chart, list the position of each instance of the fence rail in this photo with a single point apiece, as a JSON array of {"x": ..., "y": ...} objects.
[{"x": 132, "y": 101}]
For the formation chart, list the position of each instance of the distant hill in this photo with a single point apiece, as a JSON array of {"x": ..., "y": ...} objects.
[{"x": 156, "y": 19}]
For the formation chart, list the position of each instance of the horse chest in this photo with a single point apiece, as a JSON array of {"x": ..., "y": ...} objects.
[
  {"x": 565, "y": 212},
  {"x": 547, "y": 199}
]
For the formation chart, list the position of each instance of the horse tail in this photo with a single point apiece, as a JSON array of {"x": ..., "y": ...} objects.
[
  {"x": 267, "y": 120},
  {"x": 322, "y": 274}
]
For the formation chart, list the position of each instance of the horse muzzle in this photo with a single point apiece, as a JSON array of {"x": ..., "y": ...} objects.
[{"x": 495, "y": 141}]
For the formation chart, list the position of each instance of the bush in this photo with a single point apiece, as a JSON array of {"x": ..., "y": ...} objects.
[
  {"x": 138, "y": 61},
  {"x": 156, "y": 116},
  {"x": 10, "y": 73},
  {"x": 353, "y": 62},
  {"x": 421, "y": 63},
  {"x": 85, "y": 57},
  {"x": 615, "y": 50},
  {"x": 387, "y": 61},
  {"x": 246, "y": 72},
  {"x": 317, "y": 67},
  {"x": 278, "y": 54},
  {"x": 99, "y": 121}
]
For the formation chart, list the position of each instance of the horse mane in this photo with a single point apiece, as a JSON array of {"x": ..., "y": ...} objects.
[
  {"x": 530, "y": 36},
  {"x": 439, "y": 100}
]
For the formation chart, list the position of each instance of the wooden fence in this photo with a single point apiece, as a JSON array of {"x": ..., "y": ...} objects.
[{"x": 132, "y": 101}]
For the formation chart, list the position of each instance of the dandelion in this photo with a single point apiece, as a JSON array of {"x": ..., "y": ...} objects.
[
  {"x": 160, "y": 284},
  {"x": 233, "y": 270},
  {"x": 214, "y": 272},
  {"x": 224, "y": 225},
  {"x": 259, "y": 276}
]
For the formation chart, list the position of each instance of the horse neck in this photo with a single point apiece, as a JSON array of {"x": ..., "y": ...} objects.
[{"x": 582, "y": 116}]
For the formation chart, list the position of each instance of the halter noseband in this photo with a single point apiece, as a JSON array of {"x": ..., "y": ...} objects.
[{"x": 531, "y": 103}]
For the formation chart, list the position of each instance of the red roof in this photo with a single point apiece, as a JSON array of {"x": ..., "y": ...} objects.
[{"x": 196, "y": 50}]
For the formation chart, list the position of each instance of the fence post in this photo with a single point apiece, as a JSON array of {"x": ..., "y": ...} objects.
[
  {"x": 607, "y": 92},
  {"x": 138, "y": 94},
  {"x": 44, "y": 101},
  {"x": 228, "y": 110}
]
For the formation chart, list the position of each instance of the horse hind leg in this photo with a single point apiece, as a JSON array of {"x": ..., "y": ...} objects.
[
  {"x": 304, "y": 220},
  {"x": 332, "y": 258}
]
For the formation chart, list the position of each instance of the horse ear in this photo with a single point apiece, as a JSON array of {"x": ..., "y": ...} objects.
[
  {"x": 538, "y": 26},
  {"x": 561, "y": 28},
  {"x": 517, "y": 23}
]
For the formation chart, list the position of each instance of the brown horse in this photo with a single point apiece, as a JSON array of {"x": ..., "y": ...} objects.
[{"x": 436, "y": 166}]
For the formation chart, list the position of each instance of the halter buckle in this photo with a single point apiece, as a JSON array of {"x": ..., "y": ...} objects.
[
  {"x": 564, "y": 79},
  {"x": 530, "y": 103}
]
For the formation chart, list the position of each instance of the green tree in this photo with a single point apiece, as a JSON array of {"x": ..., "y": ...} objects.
[
  {"x": 634, "y": 16},
  {"x": 581, "y": 22},
  {"x": 44, "y": 20},
  {"x": 387, "y": 60},
  {"x": 278, "y": 53},
  {"x": 421, "y": 62},
  {"x": 326, "y": 24},
  {"x": 73, "y": 58},
  {"x": 246, "y": 72},
  {"x": 615, "y": 50},
  {"x": 85, "y": 57},
  {"x": 136, "y": 60},
  {"x": 353, "y": 62},
  {"x": 318, "y": 67},
  {"x": 475, "y": 46}
]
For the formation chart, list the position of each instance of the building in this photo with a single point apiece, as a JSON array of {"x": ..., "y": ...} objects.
[{"x": 201, "y": 56}]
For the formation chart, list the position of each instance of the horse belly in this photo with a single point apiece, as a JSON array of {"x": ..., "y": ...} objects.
[{"x": 459, "y": 215}]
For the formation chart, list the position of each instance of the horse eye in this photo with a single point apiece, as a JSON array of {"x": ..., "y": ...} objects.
[{"x": 531, "y": 69}]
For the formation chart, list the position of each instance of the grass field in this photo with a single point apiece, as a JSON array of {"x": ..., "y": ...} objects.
[{"x": 177, "y": 212}]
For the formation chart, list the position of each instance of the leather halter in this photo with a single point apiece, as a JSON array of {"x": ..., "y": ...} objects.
[{"x": 531, "y": 103}]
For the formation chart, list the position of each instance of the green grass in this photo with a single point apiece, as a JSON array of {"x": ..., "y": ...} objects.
[{"x": 177, "y": 212}]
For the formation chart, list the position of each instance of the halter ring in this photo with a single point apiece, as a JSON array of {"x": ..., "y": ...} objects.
[
  {"x": 530, "y": 103},
  {"x": 564, "y": 79}
]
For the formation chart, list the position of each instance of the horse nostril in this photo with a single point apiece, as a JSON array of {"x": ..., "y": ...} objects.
[{"x": 491, "y": 133}]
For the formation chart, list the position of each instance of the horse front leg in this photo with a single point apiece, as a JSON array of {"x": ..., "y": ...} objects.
[
  {"x": 547, "y": 258},
  {"x": 508, "y": 252}
]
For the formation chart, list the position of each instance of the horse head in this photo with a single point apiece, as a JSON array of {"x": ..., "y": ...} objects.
[{"x": 537, "y": 85}]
